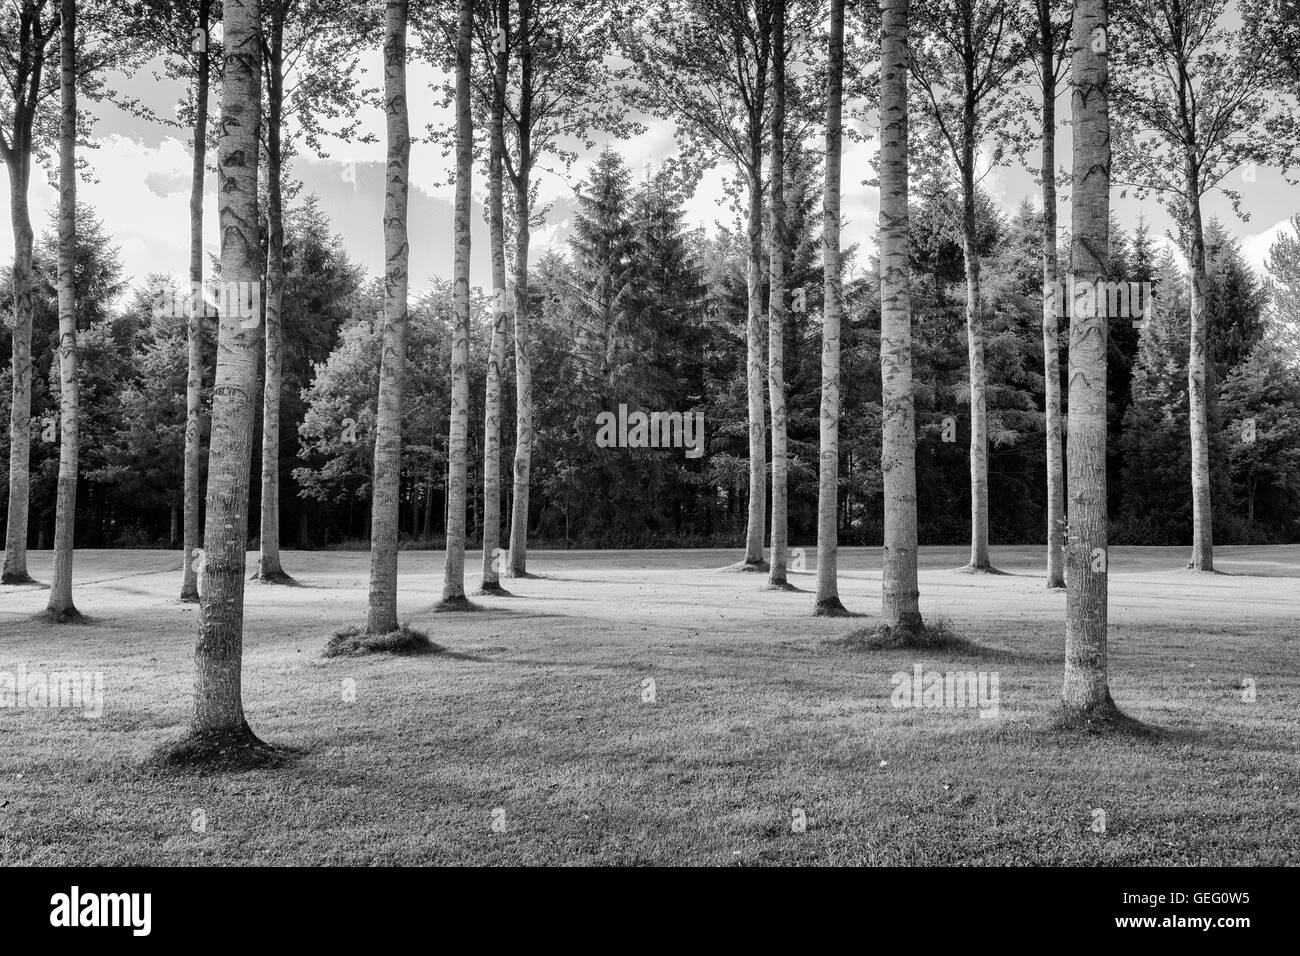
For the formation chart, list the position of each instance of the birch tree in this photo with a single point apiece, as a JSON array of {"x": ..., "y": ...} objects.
[
  {"x": 28, "y": 32},
  {"x": 705, "y": 64},
  {"x": 386, "y": 483},
  {"x": 60, "y": 607},
  {"x": 31, "y": 80},
  {"x": 497, "y": 47},
  {"x": 1086, "y": 691},
  {"x": 900, "y": 594},
  {"x": 202, "y": 47},
  {"x": 1195, "y": 105},
  {"x": 310, "y": 52},
  {"x": 827, "y": 601},
  {"x": 965, "y": 58},
  {"x": 560, "y": 92},
  {"x": 219, "y": 731},
  {"x": 776, "y": 308},
  {"x": 1053, "y": 33},
  {"x": 453, "y": 587},
  {"x": 181, "y": 31}
]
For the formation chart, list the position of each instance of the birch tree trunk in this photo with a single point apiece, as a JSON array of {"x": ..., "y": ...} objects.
[
  {"x": 517, "y": 566},
  {"x": 19, "y": 163},
  {"x": 827, "y": 601},
  {"x": 900, "y": 593},
  {"x": 268, "y": 565},
  {"x": 385, "y": 497},
  {"x": 60, "y": 607},
  {"x": 218, "y": 703},
  {"x": 26, "y": 85},
  {"x": 453, "y": 585},
  {"x": 776, "y": 304},
  {"x": 979, "y": 429},
  {"x": 1051, "y": 335},
  {"x": 1085, "y": 692},
  {"x": 496, "y": 358},
  {"x": 197, "y": 314},
  {"x": 1197, "y": 396},
  {"x": 754, "y": 368}
]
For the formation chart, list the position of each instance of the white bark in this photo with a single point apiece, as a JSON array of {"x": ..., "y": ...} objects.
[
  {"x": 496, "y": 358},
  {"x": 218, "y": 705},
  {"x": 453, "y": 587},
  {"x": 386, "y": 485},
  {"x": 900, "y": 594},
  {"x": 776, "y": 308},
  {"x": 1085, "y": 689},
  {"x": 1051, "y": 335},
  {"x": 827, "y": 600},
  {"x": 60, "y": 606},
  {"x": 192, "y": 537}
]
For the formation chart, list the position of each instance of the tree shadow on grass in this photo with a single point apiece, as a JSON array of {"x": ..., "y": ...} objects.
[
  {"x": 745, "y": 567},
  {"x": 26, "y": 584},
  {"x": 1103, "y": 720},
  {"x": 526, "y": 576}
]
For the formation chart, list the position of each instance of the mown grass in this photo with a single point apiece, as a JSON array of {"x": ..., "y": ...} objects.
[{"x": 541, "y": 707}]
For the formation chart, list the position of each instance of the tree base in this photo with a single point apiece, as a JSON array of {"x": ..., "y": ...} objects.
[
  {"x": 218, "y": 750},
  {"x": 748, "y": 567},
  {"x": 17, "y": 577},
  {"x": 354, "y": 642},
  {"x": 275, "y": 576},
  {"x": 69, "y": 615},
  {"x": 458, "y": 603},
  {"x": 1056, "y": 585},
  {"x": 190, "y": 598},
  {"x": 980, "y": 569},
  {"x": 1098, "y": 719},
  {"x": 492, "y": 589},
  {"x": 780, "y": 586},
  {"x": 830, "y": 607},
  {"x": 886, "y": 637},
  {"x": 520, "y": 575}
]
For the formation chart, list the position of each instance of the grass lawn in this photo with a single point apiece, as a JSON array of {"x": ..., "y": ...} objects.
[{"x": 535, "y": 717}]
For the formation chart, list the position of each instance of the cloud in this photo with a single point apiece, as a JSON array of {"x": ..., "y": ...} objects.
[
  {"x": 1255, "y": 247},
  {"x": 163, "y": 184},
  {"x": 141, "y": 193}
]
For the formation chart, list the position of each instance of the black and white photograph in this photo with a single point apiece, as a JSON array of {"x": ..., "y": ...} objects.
[{"x": 693, "y": 434}]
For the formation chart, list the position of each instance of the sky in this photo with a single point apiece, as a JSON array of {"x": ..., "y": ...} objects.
[{"x": 140, "y": 175}]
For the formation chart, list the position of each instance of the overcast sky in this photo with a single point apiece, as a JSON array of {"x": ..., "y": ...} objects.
[{"x": 142, "y": 174}]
